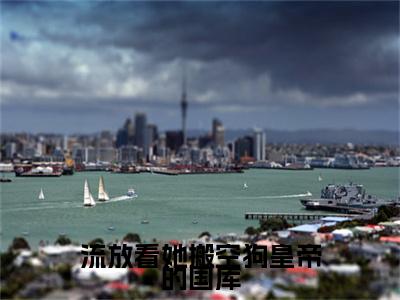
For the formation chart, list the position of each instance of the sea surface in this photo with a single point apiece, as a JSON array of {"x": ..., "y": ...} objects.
[{"x": 217, "y": 202}]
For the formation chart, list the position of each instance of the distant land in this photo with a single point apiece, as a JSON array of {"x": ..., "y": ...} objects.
[
  {"x": 308, "y": 136},
  {"x": 322, "y": 136}
]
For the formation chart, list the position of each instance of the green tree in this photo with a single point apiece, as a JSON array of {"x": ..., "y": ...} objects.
[
  {"x": 132, "y": 238},
  {"x": 250, "y": 230},
  {"x": 63, "y": 240},
  {"x": 205, "y": 233},
  {"x": 96, "y": 241},
  {"x": 150, "y": 277},
  {"x": 19, "y": 243},
  {"x": 6, "y": 262},
  {"x": 273, "y": 224}
]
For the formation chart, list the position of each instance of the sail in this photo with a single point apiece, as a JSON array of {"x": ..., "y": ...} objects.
[
  {"x": 41, "y": 195},
  {"x": 87, "y": 196},
  {"x": 102, "y": 192}
]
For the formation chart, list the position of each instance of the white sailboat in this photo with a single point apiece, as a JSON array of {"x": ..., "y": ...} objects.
[
  {"x": 88, "y": 200},
  {"x": 103, "y": 196},
  {"x": 319, "y": 178},
  {"x": 245, "y": 186},
  {"x": 41, "y": 195}
]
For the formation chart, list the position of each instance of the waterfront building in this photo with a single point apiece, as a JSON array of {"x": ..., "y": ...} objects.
[
  {"x": 174, "y": 140},
  {"x": 205, "y": 141},
  {"x": 105, "y": 139},
  {"x": 184, "y": 106},
  {"x": 195, "y": 155},
  {"x": 218, "y": 133},
  {"x": 10, "y": 150},
  {"x": 78, "y": 153},
  {"x": 128, "y": 154},
  {"x": 161, "y": 147},
  {"x": 29, "y": 152},
  {"x": 125, "y": 135},
  {"x": 259, "y": 144},
  {"x": 106, "y": 154},
  {"x": 90, "y": 155},
  {"x": 141, "y": 132},
  {"x": 65, "y": 143},
  {"x": 244, "y": 147}
]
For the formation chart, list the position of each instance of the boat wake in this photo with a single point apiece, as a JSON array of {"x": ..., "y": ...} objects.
[
  {"x": 40, "y": 208},
  {"x": 116, "y": 199},
  {"x": 308, "y": 194},
  {"x": 278, "y": 196}
]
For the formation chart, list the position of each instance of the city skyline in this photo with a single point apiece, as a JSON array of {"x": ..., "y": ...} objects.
[{"x": 267, "y": 65}]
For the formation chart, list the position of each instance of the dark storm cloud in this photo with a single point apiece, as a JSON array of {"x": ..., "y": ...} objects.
[
  {"x": 255, "y": 57},
  {"x": 325, "y": 49}
]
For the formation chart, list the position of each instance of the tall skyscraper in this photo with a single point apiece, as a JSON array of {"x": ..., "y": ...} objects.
[
  {"x": 125, "y": 135},
  {"x": 259, "y": 144},
  {"x": 141, "y": 132},
  {"x": 244, "y": 147},
  {"x": 218, "y": 133},
  {"x": 184, "y": 105}
]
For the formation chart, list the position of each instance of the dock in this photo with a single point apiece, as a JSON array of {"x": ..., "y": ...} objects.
[{"x": 293, "y": 217}]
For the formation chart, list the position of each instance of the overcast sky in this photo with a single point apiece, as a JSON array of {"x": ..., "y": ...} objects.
[{"x": 86, "y": 66}]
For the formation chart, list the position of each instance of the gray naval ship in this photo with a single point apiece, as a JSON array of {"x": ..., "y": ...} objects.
[{"x": 338, "y": 197}]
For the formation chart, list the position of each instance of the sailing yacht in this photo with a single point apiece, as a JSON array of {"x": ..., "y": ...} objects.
[
  {"x": 103, "y": 196},
  {"x": 41, "y": 195},
  {"x": 88, "y": 200},
  {"x": 245, "y": 186},
  {"x": 319, "y": 178}
]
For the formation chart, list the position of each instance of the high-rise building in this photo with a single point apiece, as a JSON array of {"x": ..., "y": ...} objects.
[
  {"x": 174, "y": 140},
  {"x": 218, "y": 133},
  {"x": 106, "y": 154},
  {"x": 125, "y": 135},
  {"x": 141, "y": 132},
  {"x": 259, "y": 144},
  {"x": 244, "y": 147},
  {"x": 10, "y": 149},
  {"x": 184, "y": 105},
  {"x": 152, "y": 136},
  {"x": 90, "y": 155},
  {"x": 128, "y": 154}
]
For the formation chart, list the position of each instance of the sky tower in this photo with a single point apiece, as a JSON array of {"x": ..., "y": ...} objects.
[{"x": 184, "y": 105}]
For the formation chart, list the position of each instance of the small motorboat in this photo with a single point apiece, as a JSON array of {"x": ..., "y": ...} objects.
[{"x": 131, "y": 193}]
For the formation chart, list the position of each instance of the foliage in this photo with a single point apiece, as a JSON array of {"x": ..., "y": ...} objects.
[
  {"x": 385, "y": 213},
  {"x": 150, "y": 277},
  {"x": 96, "y": 241},
  {"x": 205, "y": 233},
  {"x": 63, "y": 240},
  {"x": 337, "y": 286},
  {"x": 65, "y": 271},
  {"x": 273, "y": 224},
  {"x": 392, "y": 259},
  {"x": 251, "y": 231},
  {"x": 19, "y": 278},
  {"x": 132, "y": 238},
  {"x": 19, "y": 243},
  {"x": 6, "y": 262}
]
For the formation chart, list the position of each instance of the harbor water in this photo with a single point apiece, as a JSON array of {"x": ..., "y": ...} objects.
[{"x": 176, "y": 207}]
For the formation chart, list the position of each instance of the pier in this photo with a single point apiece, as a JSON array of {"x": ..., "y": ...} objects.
[{"x": 293, "y": 217}]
